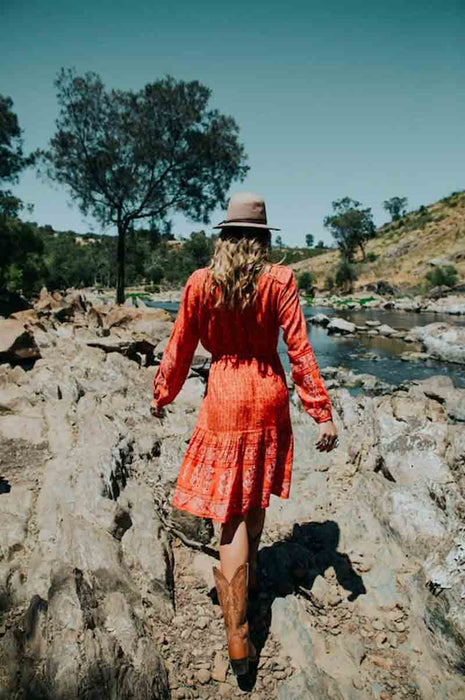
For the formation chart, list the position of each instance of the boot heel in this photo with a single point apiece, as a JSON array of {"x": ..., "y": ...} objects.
[{"x": 240, "y": 667}]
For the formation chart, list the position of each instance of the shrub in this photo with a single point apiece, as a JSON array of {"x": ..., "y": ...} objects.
[
  {"x": 371, "y": 257},
  {"x": 345, "y": 275},
  {"x": 446, "y": 275},
  {"x": 329, "y": 282},
  {"x": 305, "y": 281}
]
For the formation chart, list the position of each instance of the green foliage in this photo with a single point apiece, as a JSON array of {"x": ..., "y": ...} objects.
[
  {"x": 22, "y": 265},
  {"x": 351, "y": 226},
  {"x": 396, "y": 206},
  {"x": 329, "y": 282},
  {"x": 345, "y": 275},
  {"x": 371, "y": 256},
  {"x": 309, "y": 240},
  {"x": 365, "y": 300},
  {"x": 12, "y": 159},
  {"x": 127, "y": 156},
  {"x": 446, "y": 275},
  {"x": 305, "y": 281},
  {"x": 279, "y": 241}
]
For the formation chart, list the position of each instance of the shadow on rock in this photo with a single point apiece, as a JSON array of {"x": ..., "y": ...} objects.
[{"x": 291, "y": 566}]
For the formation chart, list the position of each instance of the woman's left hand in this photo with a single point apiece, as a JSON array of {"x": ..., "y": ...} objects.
[{"x": 327, "y": 436}]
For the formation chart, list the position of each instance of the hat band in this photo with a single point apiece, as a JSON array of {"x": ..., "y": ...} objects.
[{"x": 245, "y": 221}]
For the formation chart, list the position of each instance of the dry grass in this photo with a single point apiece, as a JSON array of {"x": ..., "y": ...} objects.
[{"x": 404, "y": 249}]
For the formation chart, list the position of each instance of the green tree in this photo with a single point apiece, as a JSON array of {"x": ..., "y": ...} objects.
[
  {"x": 345, "y": 275},
  {"x": 351, "y": 226},
  {"x": 12, "y": 158},
  {"x": 305, "y": 281},
  {"x": 21, "y": 266},
  {"x": 329, "y": 282},
  {"x": 396, "y": 206},
  {"x": 309, "y": 240},
  {"x": 127, "y": 156},
  {"x": 320, "y": 244},
  {"x": 279, "y": 241},
  {"x": 199, "y": 248}
]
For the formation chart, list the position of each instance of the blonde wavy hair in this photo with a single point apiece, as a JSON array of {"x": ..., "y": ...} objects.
[{"x": 241, "y": 255}]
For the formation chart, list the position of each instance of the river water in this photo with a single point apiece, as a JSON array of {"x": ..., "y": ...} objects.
[{"x": 376, "y": 355}]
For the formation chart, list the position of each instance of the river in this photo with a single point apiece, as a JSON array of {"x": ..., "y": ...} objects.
[{"x": 376, "y": 355}]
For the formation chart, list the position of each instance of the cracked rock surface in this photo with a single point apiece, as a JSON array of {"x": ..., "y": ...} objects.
[{"x": 106, "y": 592}]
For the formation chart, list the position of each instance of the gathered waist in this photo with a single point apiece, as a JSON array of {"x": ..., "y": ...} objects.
[{"x": 262, "y": 357}]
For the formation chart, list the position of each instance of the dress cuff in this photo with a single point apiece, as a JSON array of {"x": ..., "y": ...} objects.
[{"x": 324, "y": 416}]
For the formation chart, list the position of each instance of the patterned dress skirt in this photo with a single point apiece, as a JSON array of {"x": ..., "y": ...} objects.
[{"x": 241, "y": 449}]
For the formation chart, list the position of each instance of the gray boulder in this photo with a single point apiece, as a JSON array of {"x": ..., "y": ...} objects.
[
  {"x": 340, "y": 325},
  {"x": 441, "y": 340}
]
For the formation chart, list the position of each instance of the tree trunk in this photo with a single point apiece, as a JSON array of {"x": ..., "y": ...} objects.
[{"x": 120, "y": 264}]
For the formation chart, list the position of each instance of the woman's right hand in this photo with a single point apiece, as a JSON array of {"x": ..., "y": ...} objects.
[{"x": 327, "y": 437}]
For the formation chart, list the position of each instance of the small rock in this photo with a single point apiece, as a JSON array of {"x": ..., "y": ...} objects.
[
  {"x": 381, "y": 639},
  {"x": 220, "y": 668},
  {"x": 226, "y": 690},
  {"x": 395, "y": 615},
  {"x": 279, "y": 675},
  {"x": 203, "y": 676},
  {"x": 357, "y": 683},
  {"x": 334, "y": 599},
  {"x": 382, "y": 662},
  {"x": 202, "y": 622},
  {"x": 378, "y": 624}
]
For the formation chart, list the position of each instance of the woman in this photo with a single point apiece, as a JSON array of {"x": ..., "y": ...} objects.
[{"x": 241, "y": 449}]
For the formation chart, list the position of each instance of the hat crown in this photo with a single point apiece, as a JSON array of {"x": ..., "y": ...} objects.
[{"x": 246, "y": 206}]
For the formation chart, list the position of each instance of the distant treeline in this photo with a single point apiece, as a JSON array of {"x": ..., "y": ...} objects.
[{"x": 36, "y": 256}]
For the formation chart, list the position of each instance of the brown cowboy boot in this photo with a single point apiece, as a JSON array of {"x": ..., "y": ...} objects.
[{"x": 232, "y": 596}]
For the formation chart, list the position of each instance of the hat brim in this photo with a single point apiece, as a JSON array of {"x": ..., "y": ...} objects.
[{"x": 245, "y": 224}]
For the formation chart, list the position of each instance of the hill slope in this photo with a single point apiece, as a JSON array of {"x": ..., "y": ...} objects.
[{"x": 403, "y": 248}]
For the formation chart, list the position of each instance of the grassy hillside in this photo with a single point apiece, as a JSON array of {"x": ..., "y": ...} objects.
[{"x": 403, "y": 248}]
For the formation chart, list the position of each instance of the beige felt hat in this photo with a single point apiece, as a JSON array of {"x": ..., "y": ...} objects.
[{"x": 246, "y": 209}]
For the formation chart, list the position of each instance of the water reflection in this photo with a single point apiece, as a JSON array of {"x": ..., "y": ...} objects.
[{"x": 376, "y": 355}]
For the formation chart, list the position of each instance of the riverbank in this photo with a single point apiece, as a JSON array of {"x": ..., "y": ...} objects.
[{"x": 361, "y": 569}]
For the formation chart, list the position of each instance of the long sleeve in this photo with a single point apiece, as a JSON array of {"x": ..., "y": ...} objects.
[
  {"x": 304, "y": 368},
  {"x": 177, "y": 357}
]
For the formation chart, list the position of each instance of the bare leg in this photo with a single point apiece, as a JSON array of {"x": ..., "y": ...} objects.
[
  {"x": 255, "y": 520},
  {"x": 231, "y": 585},
  {"x": 234, "y": 546}
]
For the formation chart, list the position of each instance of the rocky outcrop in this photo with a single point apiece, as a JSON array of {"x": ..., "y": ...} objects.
[
  {"x": 105, "y": 591},
  {"x": 85, "y": 567},
  {"x": 440, "y": 340},
  {"x": 17, "y": 343}
]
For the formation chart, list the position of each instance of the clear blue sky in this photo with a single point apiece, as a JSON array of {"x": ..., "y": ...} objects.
[{"x": 333, "y": 97}]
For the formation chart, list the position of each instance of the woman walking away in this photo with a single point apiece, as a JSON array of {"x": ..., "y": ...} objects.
[{"x": 241, "y": 449}]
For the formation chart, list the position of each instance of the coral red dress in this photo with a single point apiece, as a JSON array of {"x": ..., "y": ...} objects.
[{"x": 241, "y": 449}]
